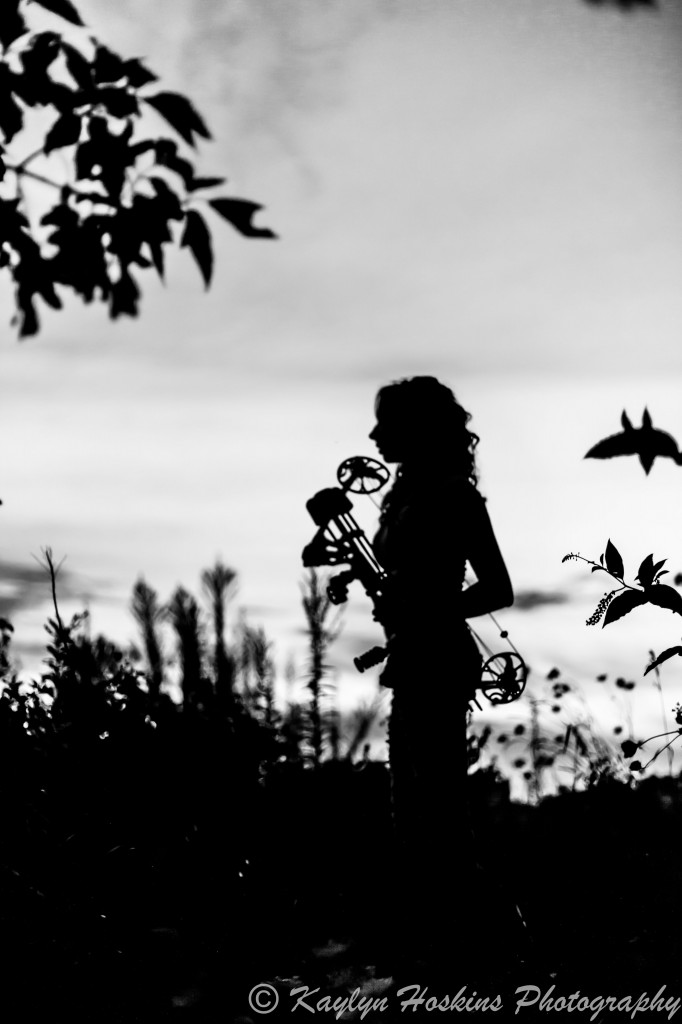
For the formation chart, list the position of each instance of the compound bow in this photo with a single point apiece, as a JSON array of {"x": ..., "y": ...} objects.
[{"x": 339, "y": 540}]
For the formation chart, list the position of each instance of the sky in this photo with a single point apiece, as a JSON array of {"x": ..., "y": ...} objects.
[{"x": 484, "y": 192}]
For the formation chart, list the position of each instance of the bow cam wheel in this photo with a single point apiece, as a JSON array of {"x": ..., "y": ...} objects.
[
  {"x": 503, "y": 677},
  {"x": 362, "y": 475}
]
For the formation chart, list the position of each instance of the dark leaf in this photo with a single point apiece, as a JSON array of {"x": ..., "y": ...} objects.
[
  {"x": 11, "y": 117},
  {"x": 64, "y": 8},
  {"x": 660, "y": 565},
  {"x": 23, "y": 86},
  {"x": 665, "y": 597},
  {"x": 12, "y": 25},
  {"x": 108, "y": 66},
  {"x": 240, "y": 213},
  {"x": 124, "y": 296},
  {"x": 598, "y": 568},
  {"x": 80, "y": 262},
  {"x": 43, "y": 49},
  {"x": 646, "y": 571},
  {"x": 635, "y": 766},
  {"x": 106, "y": 151},
  {"x": 2, "y": 168},
  {"x": 614, "y": 563},
  {"x": 669, "y": 653},
  {"x": 151, "y": 216},
  {"x": 623, "y": 604},
  {"x": 197, "y": 238},
  {"x": 49, "y": 294},
  {"x": 33, "y": 84},
  {"x": 180, "y": 114},
  {"x": 142, "y": 147},
  {"x": 12, "y": 221},
  {"x": 64, "y": 132},
  {"x": 167, "y": 156},
  {"x": 171, "y": 201},
  {"x": 36, "y": 278},
  {"x": 59, "y": 96},
  {"x": 119, "y": 102},
  {"x": 86, "y": 159},
  {"x": 137, "y": 74},
  {"x": 33, "y": 275},
  {"x": 127, "y": 239},
  {"x": 83, "y": 97},
  {"x": 196, "y": 183},
  {"x": 26, "y": 317},
  {"x": 78, "y": 67},
  {"x": 62, "y": 216},
  {"x": 156, "y": 251}
]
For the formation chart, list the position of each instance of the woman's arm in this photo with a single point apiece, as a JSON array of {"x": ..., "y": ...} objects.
[{"x": 493, "y": 588}]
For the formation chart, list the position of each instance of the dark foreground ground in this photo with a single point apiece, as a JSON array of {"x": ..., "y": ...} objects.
[{"x": 144, "y": 887}]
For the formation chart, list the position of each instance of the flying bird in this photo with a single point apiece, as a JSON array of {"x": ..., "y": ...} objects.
[{"x": 646, "y": 442}]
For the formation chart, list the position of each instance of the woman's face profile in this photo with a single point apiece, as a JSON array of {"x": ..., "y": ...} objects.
[{"x": 390, "y": 433}]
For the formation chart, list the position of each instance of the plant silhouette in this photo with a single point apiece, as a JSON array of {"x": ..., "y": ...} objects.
[
  {"x": 624, "y": 599},
  {"x": 646, "y": 442},
  {"x": 159, "y": 853}
]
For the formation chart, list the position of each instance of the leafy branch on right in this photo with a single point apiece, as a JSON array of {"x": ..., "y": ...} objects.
[{"x": 623, "y": 599}]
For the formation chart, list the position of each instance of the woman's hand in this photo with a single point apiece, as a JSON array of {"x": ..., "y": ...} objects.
[{"x": 323, "y": 551}]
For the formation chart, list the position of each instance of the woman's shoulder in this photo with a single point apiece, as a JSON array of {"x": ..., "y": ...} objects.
[
  {"x": 454, "y": 499},
  {"x": 447, "y": 493},
  {"x": 462, "y": 491}
]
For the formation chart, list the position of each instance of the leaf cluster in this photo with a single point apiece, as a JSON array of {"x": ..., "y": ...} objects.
[
  {"x": 617, "y": 603},
  {"x": 125, "y": 195}
]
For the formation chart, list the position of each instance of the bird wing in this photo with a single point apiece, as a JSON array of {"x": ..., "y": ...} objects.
[
  {"x": 662, "y": 443},
  {"x": 658, "y": 442},
  {"x": 618, "y": 444}
]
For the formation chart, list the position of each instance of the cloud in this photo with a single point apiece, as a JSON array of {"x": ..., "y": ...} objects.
[
  {"x": 255, "y": 611},
  {"x": 254, "y": 68},
  {"x": 352, "y": 643},
  {"x": 527, "y": 600},
  {"x": 24, "y": 586}
]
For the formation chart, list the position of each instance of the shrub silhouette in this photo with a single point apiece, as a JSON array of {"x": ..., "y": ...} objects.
[{"x": 191, "y": 848}]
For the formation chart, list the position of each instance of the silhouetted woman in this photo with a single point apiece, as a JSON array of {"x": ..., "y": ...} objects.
[{"x": 433, "y": 521}]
